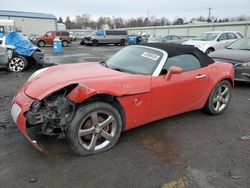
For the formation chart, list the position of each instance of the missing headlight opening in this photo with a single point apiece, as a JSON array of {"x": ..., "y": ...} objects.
[{"x": 53, "y": 114}]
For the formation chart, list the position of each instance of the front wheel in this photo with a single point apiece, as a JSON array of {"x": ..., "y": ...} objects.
[
  {"x": 122, "y": 42},
  {"x": 95, "y": 43},
  {"x": 41, "y": 43},
  {"x": 17, "y": 64},
  {"x": 82, "y": 42},
  {"x": 219, "y": 98},
  {"x": 95, "y": 128}
]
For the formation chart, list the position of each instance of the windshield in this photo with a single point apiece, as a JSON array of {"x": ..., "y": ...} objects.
[
  {"x": 154, "y": 39},
  {"x": 241, "y": 44},
  {"x": 136, "y": 60},
  {"x": 206, "y": 36}
]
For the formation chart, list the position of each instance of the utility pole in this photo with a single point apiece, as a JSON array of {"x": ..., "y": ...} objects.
[
  {"x": 148, "y": 18},
  {"x": 209, "y": 15}
]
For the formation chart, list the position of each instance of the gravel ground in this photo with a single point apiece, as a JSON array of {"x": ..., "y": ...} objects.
[{"x": 189, "y": 150}]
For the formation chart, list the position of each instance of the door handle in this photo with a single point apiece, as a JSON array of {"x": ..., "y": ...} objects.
[{"x": 201, "y": 76}]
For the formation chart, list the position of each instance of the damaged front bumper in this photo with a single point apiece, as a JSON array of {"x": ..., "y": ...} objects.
[
  {"x": 49, "y": 116},
  {"x": 21, "y": 104}
]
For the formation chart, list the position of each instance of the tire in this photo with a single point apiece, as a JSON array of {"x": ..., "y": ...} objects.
[
  {"x": 82, "y": 42},
  {"x": 17, "y": 64},
  {"x": 41, "y": 43},
  {"x": 65, "y": 43},
  {"x": 94, "y": 42},
  {"x": 219, "y": 98},
  {"x": 98, "y": 138},
  {"x": 122, "y": 42},
  {"x": 209, "y": 50}
]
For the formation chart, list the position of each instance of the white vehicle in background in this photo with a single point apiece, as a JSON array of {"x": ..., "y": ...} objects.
[
  {"x": 6, "y": 25},
  {"x": 214, "y": 40},
  {"x": 72, "y": 36}
]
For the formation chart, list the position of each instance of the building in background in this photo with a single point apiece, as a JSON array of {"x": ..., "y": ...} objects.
[
  {"x": 61, "y": 27},
  {"x": 30, "y": 22}
]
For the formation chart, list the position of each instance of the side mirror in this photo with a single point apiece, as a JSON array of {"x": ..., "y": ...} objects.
[
  {"x": 173, "y": 70},
  {"x": 218, "y": 40}
]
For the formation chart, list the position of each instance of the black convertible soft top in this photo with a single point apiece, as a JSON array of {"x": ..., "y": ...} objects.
[{"x": 178, "y": 49}]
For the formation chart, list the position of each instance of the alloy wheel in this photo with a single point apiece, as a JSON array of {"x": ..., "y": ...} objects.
[
  {"x": 16, "y": 64},
  {"x": 221, "y": 98},
  {"x": 97, "y": 130}
]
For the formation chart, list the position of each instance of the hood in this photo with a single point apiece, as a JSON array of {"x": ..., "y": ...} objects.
[
  {"x": 230, "y": 54},
  {"x": 90, "y": 75}
]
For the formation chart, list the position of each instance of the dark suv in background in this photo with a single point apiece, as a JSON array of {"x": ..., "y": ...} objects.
[{"x": 49, "y": 36}]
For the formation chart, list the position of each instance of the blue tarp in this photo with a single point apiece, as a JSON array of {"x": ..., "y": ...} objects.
[{"x": 22, "y": 44}]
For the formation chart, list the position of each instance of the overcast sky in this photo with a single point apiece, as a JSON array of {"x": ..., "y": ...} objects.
[{"x": 131, "y": 8}]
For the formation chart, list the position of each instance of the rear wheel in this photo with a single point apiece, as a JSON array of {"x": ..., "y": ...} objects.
[
  {"x": 17, "y": 64},
  {"x": 65, "y": 43},
  {"x": 41, "y": 43},
  {"x": 219, "y": 98},
  {"x": 95, "y": 128}
]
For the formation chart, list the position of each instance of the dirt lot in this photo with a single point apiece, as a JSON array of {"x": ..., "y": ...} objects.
[{"x": 188, "y": 150}]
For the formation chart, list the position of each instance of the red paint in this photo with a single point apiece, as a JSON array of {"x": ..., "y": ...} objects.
[{"x": 143, "y": 98}]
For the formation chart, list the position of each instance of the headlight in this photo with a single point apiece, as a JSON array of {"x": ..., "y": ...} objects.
[
  {"x": 37, "y": 73},
  {"x": 247, "y": 64}
]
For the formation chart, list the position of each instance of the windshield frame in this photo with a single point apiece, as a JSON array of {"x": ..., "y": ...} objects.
[{"x": 158, "y": 67}]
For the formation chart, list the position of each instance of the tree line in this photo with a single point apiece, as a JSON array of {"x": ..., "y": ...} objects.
[{"x": 84, "y": 21}]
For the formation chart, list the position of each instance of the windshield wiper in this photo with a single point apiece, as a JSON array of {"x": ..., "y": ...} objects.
[
  {"x": 104, "y": 64},
  {"x": 244, "y": 49},
  {"x": 118, "y": 69}
]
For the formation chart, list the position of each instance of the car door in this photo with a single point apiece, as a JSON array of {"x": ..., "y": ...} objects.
[
  {"x": 48, "y": 37},
  {"x": 183, "y": 92},
  {"x": 103, "y": 37},
  {"x": 225, "y": 39},
  {"x": 231, "y": 37}
]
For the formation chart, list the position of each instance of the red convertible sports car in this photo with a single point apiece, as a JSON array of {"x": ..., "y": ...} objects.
[{"x": 92, "y": 103}]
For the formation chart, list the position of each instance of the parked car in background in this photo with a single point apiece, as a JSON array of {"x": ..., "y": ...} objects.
[
  {"x": 153, "y": 38},
  {"x": 238, "y": 54},
  {"x": 214, "y": 40},
  {"x": 72, "y": 36},
  {"x": 92, "y": 103},
  {"x": 32, "y": 36},
  {"x": 49, "y": 36},
  {"x": 106, "y": 37},
  {"x": 173, "y": 39},
  {"x": 4, "y": 58},
  {"x": 20, "y": 53}
]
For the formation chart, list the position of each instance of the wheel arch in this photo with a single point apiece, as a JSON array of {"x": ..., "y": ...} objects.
[
  {"x": 210, "y": 47},
  {"x": 110, "y": 99},
  {"x": 215, "y": 84}
]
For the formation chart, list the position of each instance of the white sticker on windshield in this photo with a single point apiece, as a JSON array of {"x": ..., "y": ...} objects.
[{"x": 148, "y": 55}]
